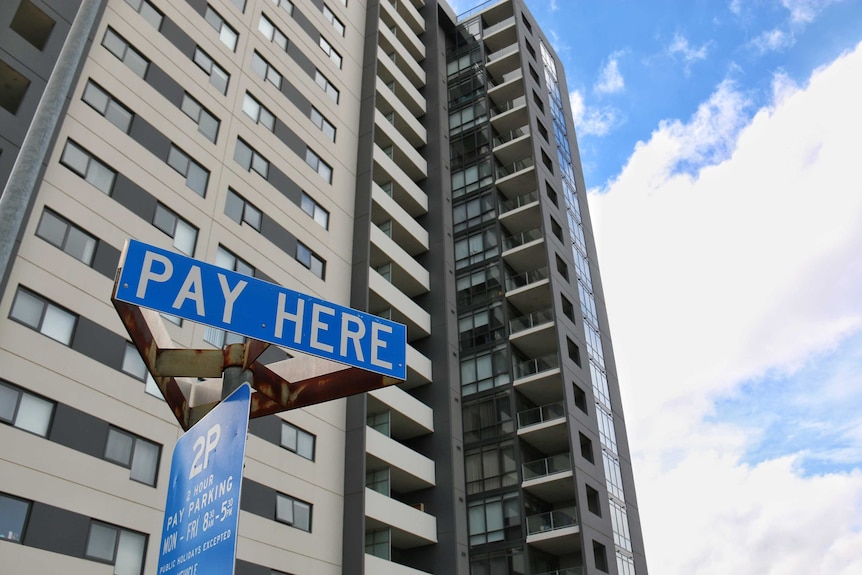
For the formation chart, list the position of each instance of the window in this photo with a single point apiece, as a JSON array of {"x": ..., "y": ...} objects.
[
  {"x": 148, "y": 11},
  {"x": 310, "y": 260},
  {"x": 547, "y": 161},
  {"x": 530, "y": 49},
  {"x": 226, "y": 34},
  {"x": 574, "y": 352},
  {"x": 488, "y": 417},
  {"x": 556, "y": 229},
  {"x": 326, "y": 86},
  {"x": 258, "y": 112},
  {"x": 568, "y": 308},
  {"x": 47, "y": 318},
  {"x": 241, "y": 210},
  {"x": 323, "y": 169},
  {"x": 272, "y": 33},
  {"x": 292, "y": 511},
  {"x": 551, "y": 193},
  {"x": 88, "y": 167},
  {"x": 297, "y": 440},
  {"x": 562, "y": 268},
  {"x": 330, "y": 15},
  {"x": 313, "y": 209},
  {"x": 208, "y": 124},
  {"x": 286, "y": 5},
  {"x": 196, "y": 175},
  {"x": 248, "y": 158},
  {"x": 322, "y": 123},
  {"x": 586, "y": 447},
  {"x": 136, "y": 453},
  {"x": 13, "y": 517},
  {"x": 538, "y": 100},
  {"x": 527, "y": 24},
  {"x": 330, "y": 51},
  {"x": 13, "y": 86},
  {"x": 534, "y": 74},
  {"x": 542, "y": 130},
  {"x": 377, "y": 544},
  {"x": 580, "y": 397},
  {"x": 25, "y": 411},
  {"x": 265, "y": 70},
  {"x": 133, "y": 365},
  {"x": 184, "y": 234},
  {"x": 490, "y": 467},
  {"x": 122, "y": 548},
  {"x": 118, "y": 46},
  {"x": 593, "y": 501},
  {"x": 378, "y": 480},
  {"x": 63, "y": 234},
  {"x": 476, "y": 247},
  {"x": 229, "y": 260},
  {"x": 494, "y": 519},
  {"x": 218, "y": 76},
  {"x": 108, "y": 106},
  {"x": 32, "y": 24},
  {"x": 600, "y": 555},
  {"x": 620, "y": 524},
  {"x": 240, "y": 4},
  {"x": 379, "y": 422}
]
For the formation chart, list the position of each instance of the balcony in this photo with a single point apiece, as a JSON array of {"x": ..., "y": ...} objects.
[
  {"x": 544, "y": 427},
  {"x": 521, "y": 213},
  {"x": 410, "y": 527},
  {"x": 529, "y": 291},
  {"x": 539, "y": 379},
  {"x": 523, "y": 249},
  {"x": 508, "y": 115},
  {"x": 383, "y": 295},
  {"x": 389, "y": 176},
  {"x": 511, "y": 145},
  {"x": 515, "y": 177},
  {"x": 500, "y": 34},
  {"x": 402, "y": 228},
  {"x": 554, "y": 532},
  {"x": 380, "y": 566},
  {"x": 404, "y": 272},
  {"x": 409, "y": 470},
  {"x": 533, "y": 334},
  {"x": 503, "y": 61},
  {"x": 508, "y": 87},
  {"x": 550, "y": 479},
  {"x": 408, "y": 417},
  {"x": 569, "y": 571}
]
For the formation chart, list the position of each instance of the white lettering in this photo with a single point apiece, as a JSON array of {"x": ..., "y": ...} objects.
[
  {"x": 355, "y": 336},
  {"x": 282, "y": 315},
  {"x": 147, "y": 273},
  {"x": 230, "y": 296},
  {"x": 193, "y": 280},
  {"x": 317, "y": 326},
  {"x": 377, "y": 344}
]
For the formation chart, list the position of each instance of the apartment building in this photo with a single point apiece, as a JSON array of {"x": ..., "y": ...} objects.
[{"x": 390, "y": 156}]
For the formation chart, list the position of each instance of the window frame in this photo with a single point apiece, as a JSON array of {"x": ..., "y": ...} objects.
[
  {"x": 255, "y": 162},
  {"x": 127, "y": 52},
  {"x": 325, "y": 126},
  {"x": 129, "y": 464},
  {"x": 244, "y": 209},
  {"x": 166, "y": 212},
  {"x": 314, "y": 262},
  {"x": 316, "y": 163},
  {"x": 190, "y": 101},
  {"x": 217, "y": 21},
  {"x": 326, "y": 85},
  {"x": 118, "y": 531},
  {"x": 189, "y": 162},
  {"x": 139, "y": 5},
  {"x": 270, "y": 74},
  {"x": 311, "y": 207},
  {"x": 21, "y": 394},
  {"x": 46, "y": 305},
  {"x": 332, "y": 18},
  {"x": 106, "y": 112},
  {"x": 331, "y": 53},
  {"x": 87, "y": 174},
  {"x": 298, "y": 431},
  {"x": 272, "y": 32},
  {"x": 24, "y": 523},
  {"x": 64, "y": 243},
  {"x": 250, "y": 100},
  {"x": 293, "y": 501},
  {"x": 212, "y": 69}
]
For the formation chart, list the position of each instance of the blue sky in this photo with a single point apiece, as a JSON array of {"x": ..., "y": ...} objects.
[{"x": 721, "y": 143}]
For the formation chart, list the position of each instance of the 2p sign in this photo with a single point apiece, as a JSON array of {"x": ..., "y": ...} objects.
[
  {"x": 199, "y": 531},
  {"x": 178, "y": 285}
]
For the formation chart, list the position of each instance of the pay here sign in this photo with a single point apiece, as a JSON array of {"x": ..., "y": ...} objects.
[{"x": 171, "y": 283}]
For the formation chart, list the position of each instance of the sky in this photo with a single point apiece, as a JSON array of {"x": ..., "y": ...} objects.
[{"x": 721, "y": 141}]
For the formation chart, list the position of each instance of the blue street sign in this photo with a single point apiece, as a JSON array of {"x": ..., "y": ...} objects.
[
  {"x": 171, "y": 283},
  {"x": 199, "y": 531}
]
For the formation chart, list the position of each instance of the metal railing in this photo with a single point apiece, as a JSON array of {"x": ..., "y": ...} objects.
[
  {"x": 504, "y": 170},
  {"x": 510, "y": 105},
  {"x": 569, "y": 571},
  {"x": 500, "y": 139},
  {"x": 534, "y": 366},
  {"x": 498, "y": 26},
  {"x": 526, "y": 278},
  {"x": 551, "y": 520},
  {"x": 530, "y": 320},
  {"x": 522, "y": 238},
  {"x": 547, "y": 466},
  {"x": 541, "y": 414}
]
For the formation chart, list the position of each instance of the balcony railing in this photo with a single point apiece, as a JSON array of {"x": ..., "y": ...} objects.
[
  {"x": 502, "y": 52},
  {"x": 504, "y": 170},
  {"x": 526, "y": 278},
  {"x": 569, "y": 571},
  {"x": 522, "y": 238},
  {"x": 530, "y": 320},
  {"x": 534, "y": 366},
  {"x": 510, "y": 105},
  {"x": 541, "y": 414},
  {"x": 501, "y": 139},
  {"x": 547, "y": 466},
  {"x": 507, "y": 77},
  {"x": 558, "y": 519},
  {"x": 498, "y": 26}
]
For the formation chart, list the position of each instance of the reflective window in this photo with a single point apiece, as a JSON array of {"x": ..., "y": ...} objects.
[
  {"x": 484, "y": 370},
  {"x": 326, "y": 86},
  {"x": 258, "y": 112},
  {"x": 313, "y": 209},
  {"x": 32, "y": 24},
  {"x": 490, "y": 467},
  {"x": 15, "y": 86},
  {"x": 122, "y": 548},
  {"x": 108, "y": 106},
  {"x": 265, "y": 70},
  {"x": 133, "y": 365},
  {"x": 229, "y": 260},
  {"x": 321, "y": 122},
  {"x": 88, "y": 167},
  {"x": 44, "y": 316},
  {"x": 240, "y": 4},
  {"x": 378, "y": 480},
  {"x": 250, "y": 159},
  {"x": 323, "y": 169},
  {"x": 330, "y": 51},
  {"x": 272, "y": 33},
  {"x": 13, "y": 517},
  {"x": 207, "y": 123},
  {"x": 286, "y": 5},
  {"x": 479, "y": 286},
  {"x": 297, "y": 440},
  {"x": 379, "y": 422},
  {"x": 241, "y": 210},
  {"x": 377, "y": 543},
  {"x": 226, "y": 34},
  {"x": 474, "y": 212},
  {"x": 183, "y": 233},
  {"x": 481, "y": 327},
  {"x": 217, "y": 75},
  {"x": 196, "y": 175},
  {"x": 488, "y": 417},
  {"x": 494, "y": 519},
  {"x": 62, "y": 233},
  {"x": 22, "y": 409},
  {"x": 475, "y": 248},
  {"x": 292, "y": 511},
  {"x": 148, "y": 11},
  {"x": 119, "y": 47},
  {"x": 330, "y": 15},
  {"x": 136, "y": 453},
  {"x": 310, "y": 260},
  {"x": 509, "y": 561},
  {"x": 620, "y": 523}
]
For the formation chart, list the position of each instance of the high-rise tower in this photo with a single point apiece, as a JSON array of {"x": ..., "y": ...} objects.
[{"x": 386, "y": 155}]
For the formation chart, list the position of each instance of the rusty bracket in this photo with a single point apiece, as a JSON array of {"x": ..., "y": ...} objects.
[{"x": 184, "y": 375}]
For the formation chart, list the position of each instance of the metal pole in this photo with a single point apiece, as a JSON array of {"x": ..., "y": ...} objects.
[
  {"x": 25, "y": 172},
  {"x": 234, "y": 376}
]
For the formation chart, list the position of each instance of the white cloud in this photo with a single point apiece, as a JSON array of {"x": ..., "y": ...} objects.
[
  {"x": 729, "y": 249},
  {"x": 610, "y": 80},
  {"x": 591, "y": 121},
  {"x": 690, "y": 54},
  {"x": 774, "y": 40},
  {"x": 805, "y": 11}
]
